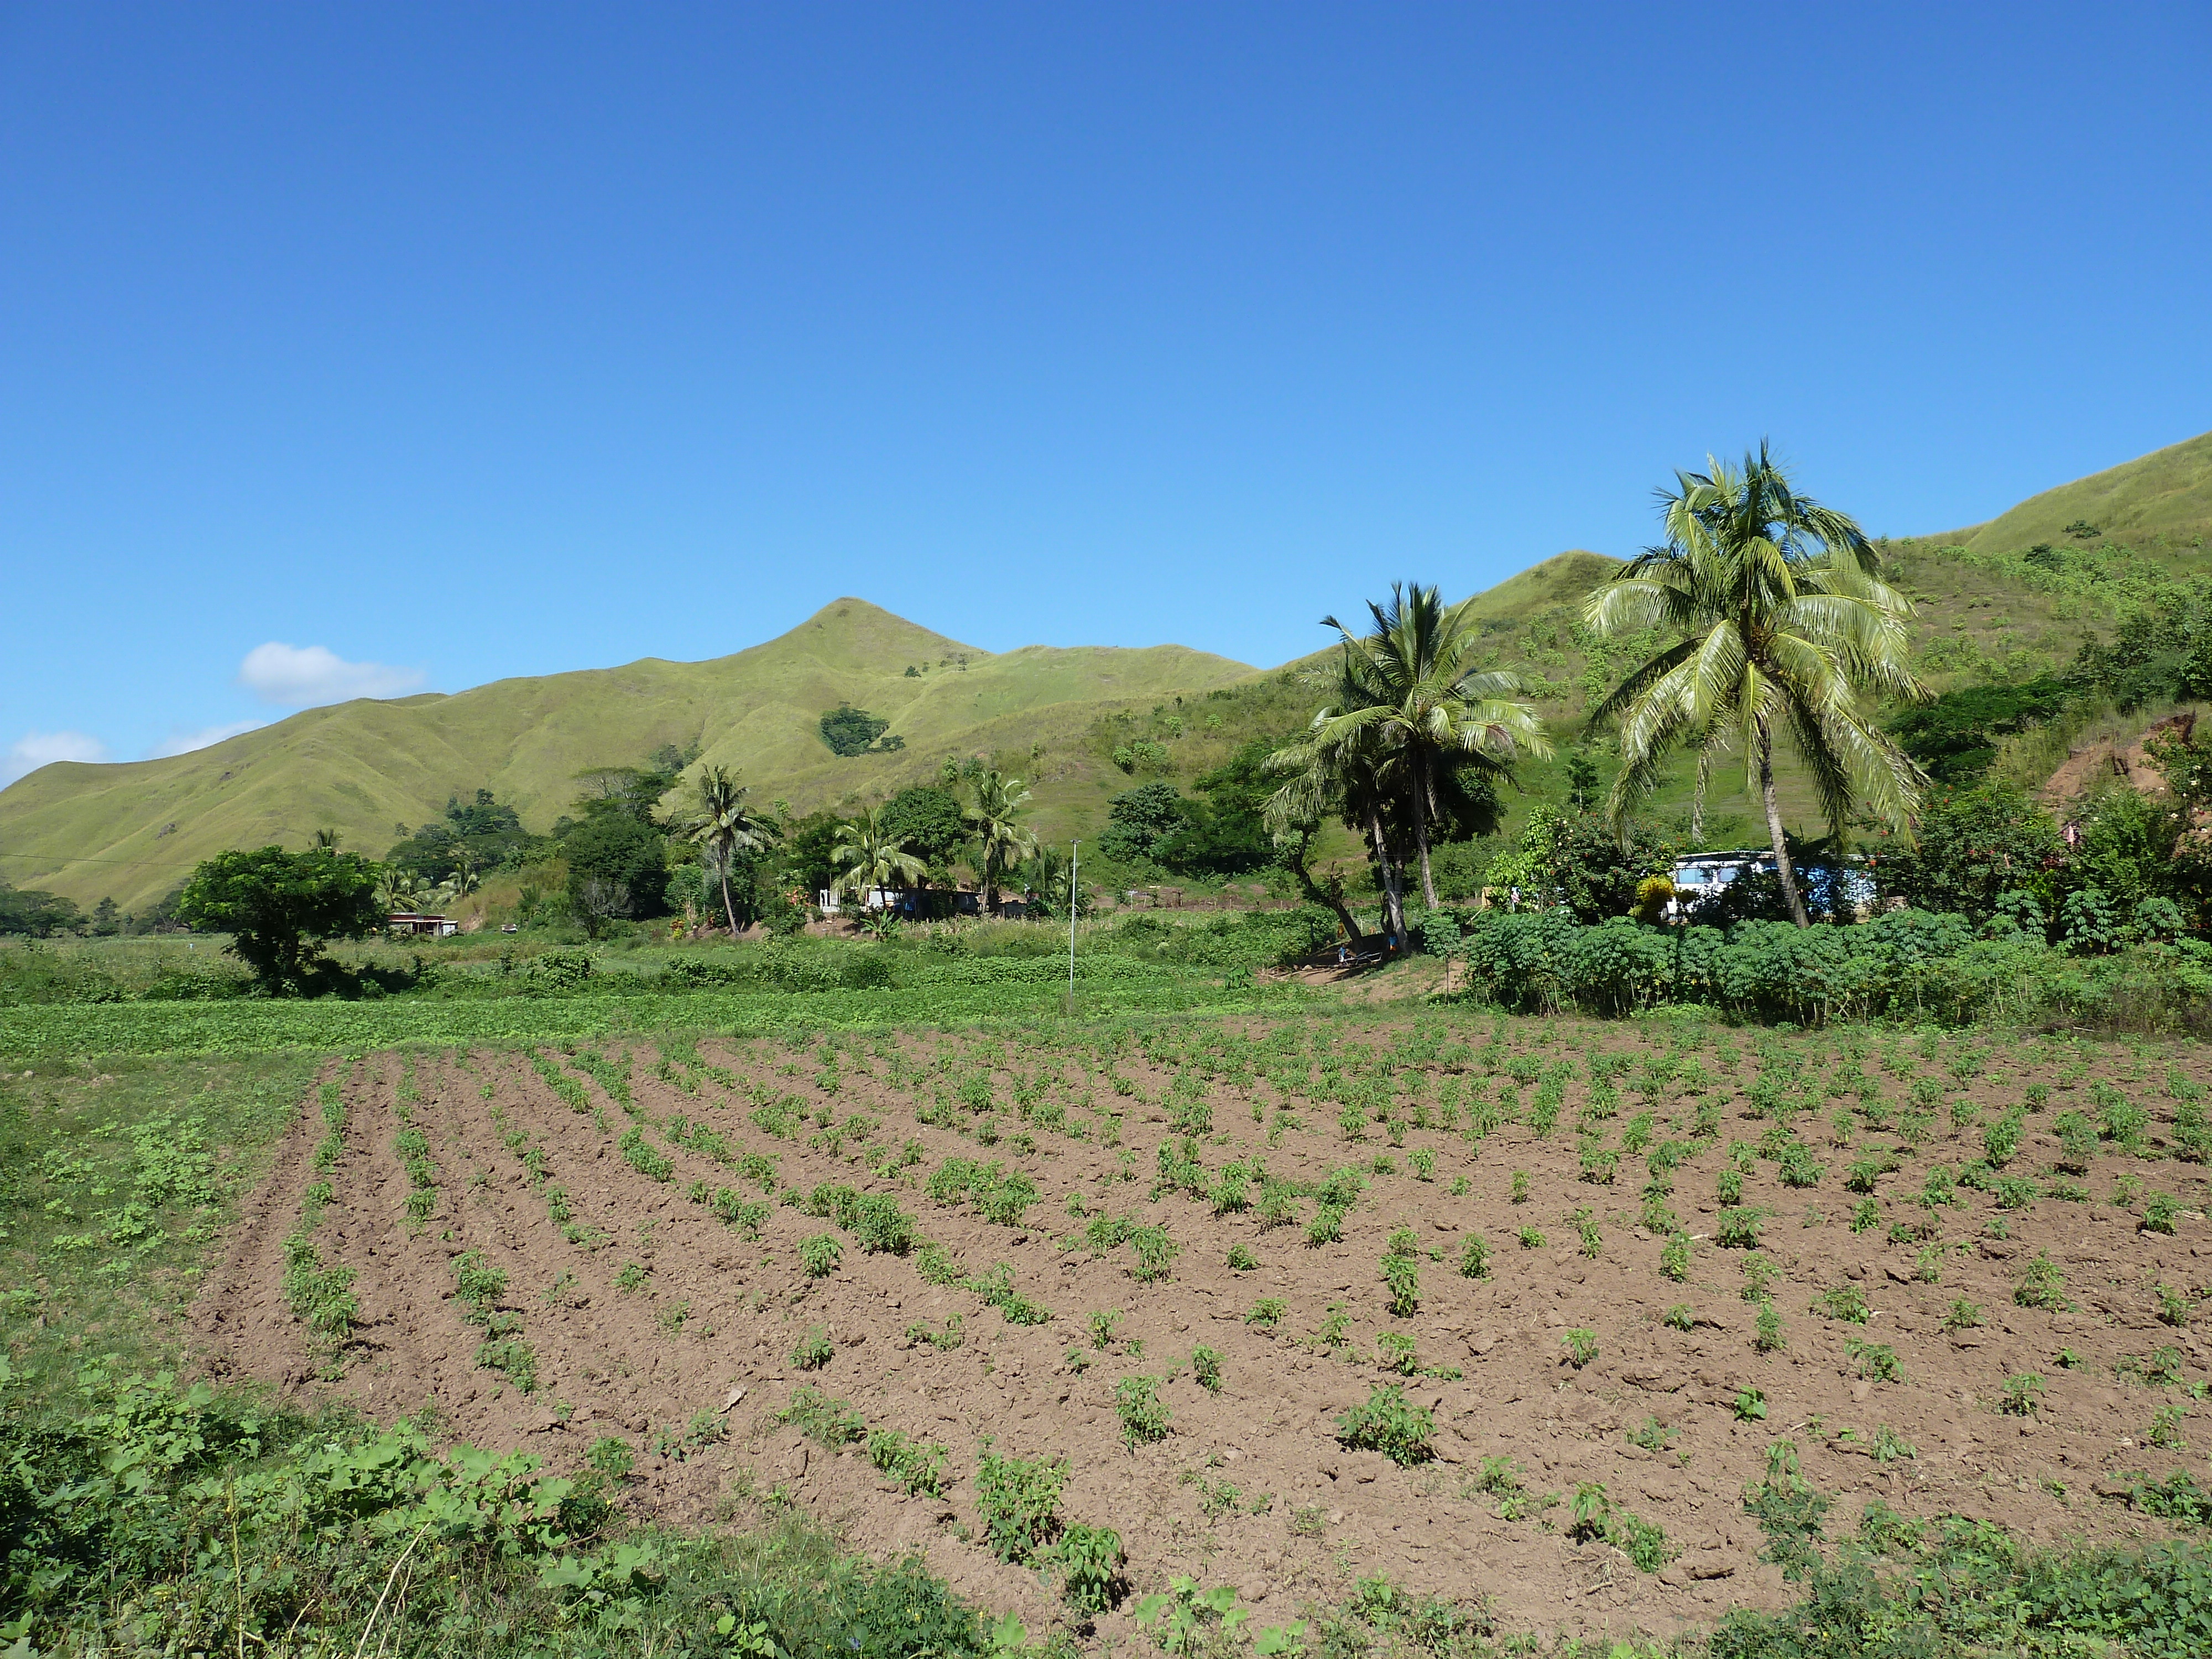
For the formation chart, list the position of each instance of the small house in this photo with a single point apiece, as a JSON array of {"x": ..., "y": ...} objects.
[{"x": 417, "y": 925}]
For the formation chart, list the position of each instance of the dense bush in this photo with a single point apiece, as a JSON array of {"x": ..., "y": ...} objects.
[
  {"x": 1907, "y": 961},
  {"x": 107, "y": 1516}
]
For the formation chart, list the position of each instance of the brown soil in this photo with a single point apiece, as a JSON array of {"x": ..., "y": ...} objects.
[
  {"x": 2093, "y": 763},
  {"x": 614, "y": 1362}
]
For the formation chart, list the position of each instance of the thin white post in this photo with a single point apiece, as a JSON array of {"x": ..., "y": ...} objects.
[{"x": 1074, "y": 852}]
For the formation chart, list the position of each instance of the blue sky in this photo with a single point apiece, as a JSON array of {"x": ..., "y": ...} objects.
[{"x": 352, "y": 349}]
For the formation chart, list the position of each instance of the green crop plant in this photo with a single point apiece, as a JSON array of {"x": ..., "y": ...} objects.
[
  {"x": 1090, "y": 1560},
  {"x": 1475, "y": 1257},
  {"x": 1401, "y": 1274},
  {"x": 1877, "y": 1362},
  {"x": 1845, "y": 1302},
  {"x": 1018, "y": 1499},
  {"x": 1738, "y": 1229},
  {"x": 1206, "y": 1367},
  {"x": 916, "y": 1466},
  {"x": 820, "y": 1254},
  {"x": 2023, "y": 1394},
  {"x": 1241, "y": 1259},
  {"x": 1155, "y": 1253},
  {"x": 812, "y": 1351},
  {"x": 1675, "y": 1258},
  {"x": 1759, "y": 1276},
  {"x": 1144, "y": 1415},
  {"x": 1680, "y": 1317},
  {"x": 642, "y": 1157},
  {"x": 2042, "y": 1285},
  {"x": 1390, "y": 1423},
  {"x": 1581, "y": 1345},
  {"x": 832, "y": 1424},
  {"x": 1767, "y": 1329}
]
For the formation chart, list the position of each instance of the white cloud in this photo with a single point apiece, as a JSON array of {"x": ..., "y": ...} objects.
[
  {"x": 180, "y": 742},
  {"x": 36, "y": 749},
  {"x": 289, "y": 677}
]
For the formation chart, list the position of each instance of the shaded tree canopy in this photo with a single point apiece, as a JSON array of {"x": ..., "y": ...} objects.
[
  {"x": 929, "y": 822},
  {"x": 280, "y": 907},
  {"x": 36, "y": 914},
  {"x": 849, "y": 731},
  {"x": 488, "y": 833}
]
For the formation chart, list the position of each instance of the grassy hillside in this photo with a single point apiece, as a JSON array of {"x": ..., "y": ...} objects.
[
  {"x": 2002, "y": 602},
  {"x": 374, "y": 769},
  {"x": 2165, "y": 497}
]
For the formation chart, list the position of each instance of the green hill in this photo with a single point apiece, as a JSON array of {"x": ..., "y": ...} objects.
[
  {"x": 2165, "y": 496},
  {"x": 375, "y": 770},
  {"x": 2002, "y": 602}
]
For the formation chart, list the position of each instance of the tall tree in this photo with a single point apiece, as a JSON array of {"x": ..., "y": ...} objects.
[
  {"x": 871, "y": 855},
  {"x": 1409, "y": 690},
  {"x": 1779, "y": 619},
  {"x": 278, "y": 907},
  {"x": 1349, "y": 773},
  {"x": 999, "y": 802},
  {"x": 723, "y": 827}
]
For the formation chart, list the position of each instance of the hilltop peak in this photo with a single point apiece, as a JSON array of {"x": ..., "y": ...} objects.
[{"x": 857, "y": 628}]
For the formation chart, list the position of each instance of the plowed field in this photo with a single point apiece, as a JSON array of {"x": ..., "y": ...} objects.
[{"x": 632, "y": 1243}]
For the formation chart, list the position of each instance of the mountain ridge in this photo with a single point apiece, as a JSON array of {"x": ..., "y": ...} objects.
[{"x": 373, "y": 770}]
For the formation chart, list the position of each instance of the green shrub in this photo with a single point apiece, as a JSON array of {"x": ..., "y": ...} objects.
[
  {"x": 2042, "y": 1285},
  {"x": 1739, "y": 1228},
  {"x": 1019, "y": 1501},
  {"x": 828, "y": 1422},
  {"x": 1144, "y": 1414},
  {"x": 1089, "y": 1559},
  {"x": 1206, "y": 1366},
  {"x": 1388, "y": 1424},
  {"x": 917, "y": 1467},
  {"x": 643, "y": 1158},
  {"x": 1845, "y": 1302},
  {"x": 1402, "y": 1275}
]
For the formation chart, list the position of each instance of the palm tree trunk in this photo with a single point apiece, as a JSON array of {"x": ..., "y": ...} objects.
[
  {"x": 1393, "y": 897},
  {"x": 1316, "y": 894},
  {"x": 1421, "y": 833},
  {"x": 728, "y": 909},
  {"x": 1782, "y": 866}
]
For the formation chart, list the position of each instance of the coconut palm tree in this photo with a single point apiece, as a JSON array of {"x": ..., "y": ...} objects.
[
  {"x": 871, "y": 856},
  {"x": 999, "y": 800},
  {"x": 1409, "y": 690},
  {"x": 722, "y": 826},
  {"x": 1779, "y": 619},
  {"x": 1349, "y": 773}
]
